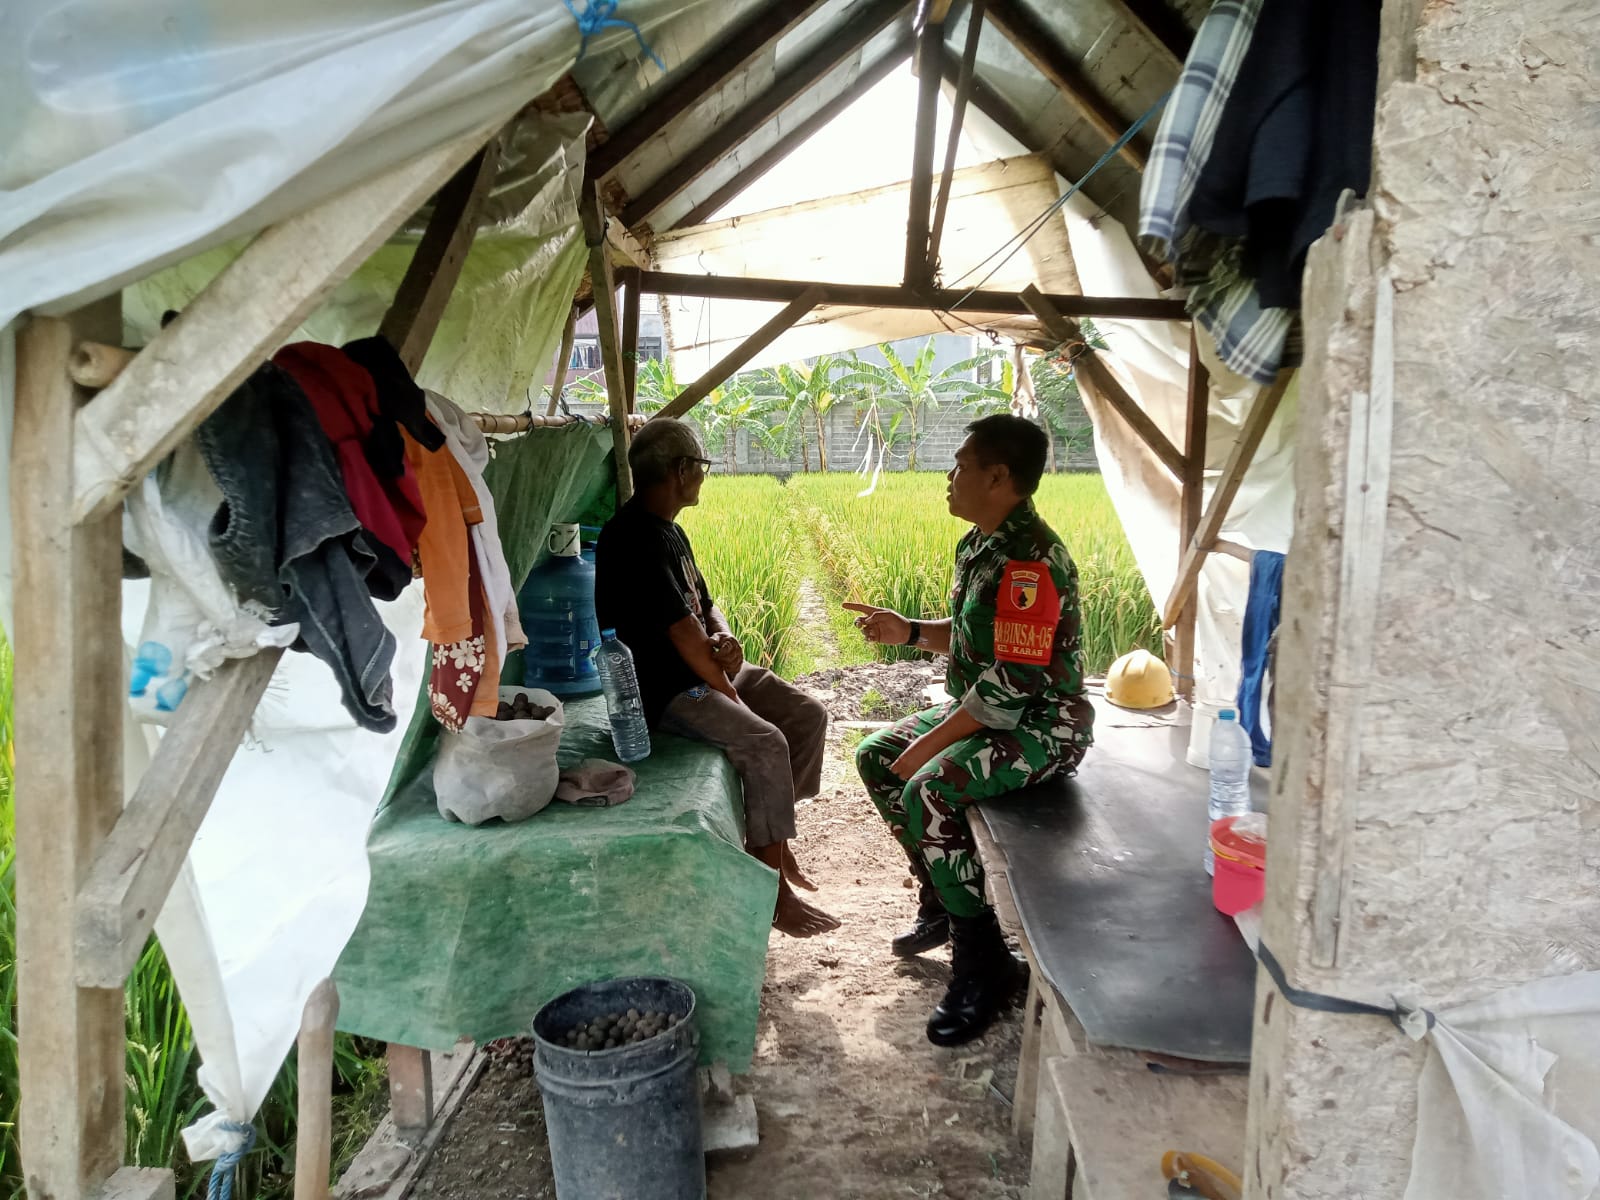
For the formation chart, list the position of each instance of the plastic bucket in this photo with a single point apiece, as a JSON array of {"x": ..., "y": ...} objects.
[
  {"x": 624, "y": 1123},
  {"x": 1239, "y": 845}
]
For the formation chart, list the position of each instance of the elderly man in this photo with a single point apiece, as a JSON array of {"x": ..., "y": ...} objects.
[
  {"x": 1019, "y": 715},
  {"x": 692, "y": 674}
]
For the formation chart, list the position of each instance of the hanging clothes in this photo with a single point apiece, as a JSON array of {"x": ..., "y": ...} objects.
[
  {"x": 1260, "y": 623},
  {"x": 372, "y": 461},
  {"x": 400, "y": 401},
  {"x": 285, "y": 536},
  {"x": 1295, "y": 133},
  {"x": 471, "y": 450},
  {"x": 454, "y": 620}
]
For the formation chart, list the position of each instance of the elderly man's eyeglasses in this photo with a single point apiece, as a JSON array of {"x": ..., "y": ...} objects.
[{"x": 703, "y": 463}]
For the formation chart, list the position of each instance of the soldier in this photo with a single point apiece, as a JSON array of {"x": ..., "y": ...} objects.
[{"x": 1019, "y": 715}]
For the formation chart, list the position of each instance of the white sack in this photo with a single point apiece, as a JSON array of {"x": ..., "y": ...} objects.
[{"x": 504, "y": 769}]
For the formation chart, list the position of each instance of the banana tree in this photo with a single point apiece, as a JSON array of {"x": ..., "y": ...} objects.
[
  {"x": 803, "y": 393},
  {"x": 911, "y": 388}
]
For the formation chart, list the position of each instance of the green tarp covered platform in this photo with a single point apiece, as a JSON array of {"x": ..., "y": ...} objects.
[{"x": 467, "y": 931}]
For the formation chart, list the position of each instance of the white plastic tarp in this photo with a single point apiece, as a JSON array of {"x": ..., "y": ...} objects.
[{"x": 135, "y": 138}]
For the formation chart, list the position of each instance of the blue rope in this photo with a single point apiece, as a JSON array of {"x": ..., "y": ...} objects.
[
  {"x": 598, "y": 15},
  {"x": 1038, "y": 222},
  {"x": 220, "y": 1186}
]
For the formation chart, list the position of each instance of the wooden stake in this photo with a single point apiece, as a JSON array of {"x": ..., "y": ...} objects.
[
  {"x": 1102, "y": 380},
  {"x": 958, "y": 114},
  {"x": 410, "y": 1089},
  {"x": 70, "y": 702},
  {"x": 1205, "y": 537},
  {"x": 419, "y": 304},
  {"x": 240, "y": 318},
  {"x": 1194, "y": 481},
  {"x": 605, "y": 311},
  {"x": 743, "y": 353},
  {"x": 313, "y": 1146},
  {"x": 569, "y": 333},
  {"x": 930, "y": 49},
  {"x": 630, "y": 337}
]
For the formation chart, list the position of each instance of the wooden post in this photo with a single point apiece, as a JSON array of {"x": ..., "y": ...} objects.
[
  {"x": 70, "y": 701},
  {"x": 563, "y": 360},
  {"x": 419, "y": 304},
  {"x": 605, "y": 311},
  {"x": 743, "y": 353},
  {"x": 313, "y": 1147},
  {"x": 410, "y": 1089},
  {"x": 630, "y": 336},
  {"x": 930, "y": 49},
  {"x": 1205, "y": 536},
  {"x": 958, "y": 106},
  {"x": 1194, "y": 480}
]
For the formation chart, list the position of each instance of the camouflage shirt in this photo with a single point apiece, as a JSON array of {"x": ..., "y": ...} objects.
[{"x": 1016, "y": 652}]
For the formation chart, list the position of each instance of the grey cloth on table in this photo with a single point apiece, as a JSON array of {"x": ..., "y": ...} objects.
[{"x": 595, "y": 783}]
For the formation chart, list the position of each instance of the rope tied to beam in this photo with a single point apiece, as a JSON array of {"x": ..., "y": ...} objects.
[
  {"x": 220, "y": 1185},
  {"x": 601, "y": 14}
]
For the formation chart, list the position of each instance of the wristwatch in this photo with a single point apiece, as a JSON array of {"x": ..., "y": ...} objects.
[{"x": 916, "y": 633}]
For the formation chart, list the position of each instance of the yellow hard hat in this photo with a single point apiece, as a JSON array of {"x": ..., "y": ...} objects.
[{"x": 1139, "y": 680}]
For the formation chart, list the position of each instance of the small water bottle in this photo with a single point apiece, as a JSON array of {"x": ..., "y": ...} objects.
[
  {"x": 629, "y": 732},
  {"x": 1230, "y": 774}
]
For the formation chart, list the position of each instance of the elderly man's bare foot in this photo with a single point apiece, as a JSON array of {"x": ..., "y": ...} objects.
[
  {"x": 793, "y": 873},
  {"x": 798, "y": 919}
]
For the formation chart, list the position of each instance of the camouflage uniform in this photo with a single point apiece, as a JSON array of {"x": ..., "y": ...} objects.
[{"x": 1038, "y": 720}]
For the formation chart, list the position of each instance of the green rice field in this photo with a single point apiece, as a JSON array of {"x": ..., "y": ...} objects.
[{"x": 756, "y": 539}]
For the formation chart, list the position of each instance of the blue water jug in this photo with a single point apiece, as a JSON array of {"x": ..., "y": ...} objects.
[{"x": 557, "y": 609}]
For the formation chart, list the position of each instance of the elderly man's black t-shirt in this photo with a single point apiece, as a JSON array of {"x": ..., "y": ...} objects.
[{"x": 645, "y": 582}]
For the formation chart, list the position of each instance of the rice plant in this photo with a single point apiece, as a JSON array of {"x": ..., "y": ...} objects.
[{"x": 746, "y": 545}]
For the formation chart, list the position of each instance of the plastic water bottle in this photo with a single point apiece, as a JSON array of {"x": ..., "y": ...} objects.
[
  {"x": 556, "y": 605},
  {"x": 1230, "y": 774},
  {"x": 629, "y": 732}
]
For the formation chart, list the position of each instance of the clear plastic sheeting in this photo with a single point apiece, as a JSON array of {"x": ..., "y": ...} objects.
[
  {"x": 135, "y": 136},
  {"x": 1508, "y": 1104}
]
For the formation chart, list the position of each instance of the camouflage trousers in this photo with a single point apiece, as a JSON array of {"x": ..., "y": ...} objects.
[{"x": 928, "y": 814}]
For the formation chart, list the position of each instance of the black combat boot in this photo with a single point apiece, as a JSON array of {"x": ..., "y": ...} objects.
[
  {"x": 932, "y": 927},
  {"x": 984, "y": 976}
]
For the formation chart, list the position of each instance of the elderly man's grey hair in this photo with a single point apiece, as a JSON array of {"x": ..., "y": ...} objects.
[{"x": 658, "y": 447}]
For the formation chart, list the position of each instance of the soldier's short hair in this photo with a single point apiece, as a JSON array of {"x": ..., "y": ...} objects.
[{"x": 1015, "y": 443}]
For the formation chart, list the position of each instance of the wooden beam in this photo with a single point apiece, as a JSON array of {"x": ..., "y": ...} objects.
[
  {"x": 1205, "y": 537},
  {"x": 798, "y": 135},
  {"x": 70, "y": 705},
  {"x": 929, "y": 54},
  {"x": 857, "y": 295},
  {"x": 419, "y": 303},
  {"x": 870, "y": 19},
  {"x": 1038, "y": 45},
  {"x": 569, "y": 333},
  {"x": 1105, "y": 384},
  {"x": 1191, "y": 501},
  {"x": 743, "y": 353},
  {"x": 605, "y": 311},
  {"x": 630, "y": 336},
  {"x": 731, "y": 56},
  {"x": 128, "y": 882},
  {"x": 240, "y": 318},
  {"x": 958, "y": 106},
  {"x": 313, "y": 1135},
  {"x": 1159, "y": 22}
]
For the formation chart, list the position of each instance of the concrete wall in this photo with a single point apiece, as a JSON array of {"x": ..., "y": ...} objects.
[{"x": 1436, "y": 819}]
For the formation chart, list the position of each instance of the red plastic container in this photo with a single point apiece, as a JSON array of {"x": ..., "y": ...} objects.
[{"x": 1239, "y": 845}]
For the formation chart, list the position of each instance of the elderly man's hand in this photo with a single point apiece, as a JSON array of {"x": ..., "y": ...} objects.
[{"x": 727, "y": 653}]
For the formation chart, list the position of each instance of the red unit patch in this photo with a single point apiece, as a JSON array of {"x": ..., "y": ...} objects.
[{"x": 1027, "y": 612}]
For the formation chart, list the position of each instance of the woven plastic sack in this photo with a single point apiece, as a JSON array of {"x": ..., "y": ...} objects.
[{"x": 504, "y": 769}]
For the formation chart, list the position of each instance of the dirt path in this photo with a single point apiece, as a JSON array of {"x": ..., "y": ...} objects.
[{"x": 854, "y": 1103}]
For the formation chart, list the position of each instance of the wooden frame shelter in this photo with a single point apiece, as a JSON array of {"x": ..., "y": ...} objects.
[{"x": 93, "y": 875}]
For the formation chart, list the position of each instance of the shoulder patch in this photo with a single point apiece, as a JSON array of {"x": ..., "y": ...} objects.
[{"x": 1027, "y": 611}]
